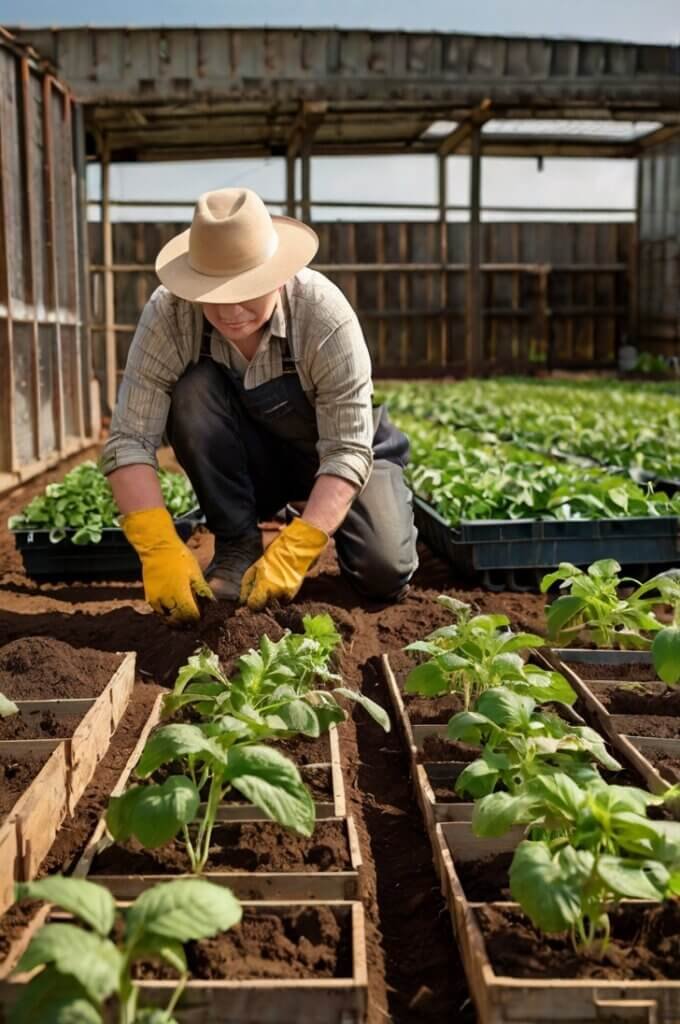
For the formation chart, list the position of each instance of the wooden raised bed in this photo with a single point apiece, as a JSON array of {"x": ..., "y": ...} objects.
[
  {"x": 258, "y": 1001},
  {"x": 31, "y": 825},
  {"x": 506, "y": 1000},
  {"x": 249, "y": 885}
]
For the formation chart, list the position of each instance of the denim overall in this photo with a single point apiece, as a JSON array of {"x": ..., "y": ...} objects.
[{"x": 249, "y": 451}]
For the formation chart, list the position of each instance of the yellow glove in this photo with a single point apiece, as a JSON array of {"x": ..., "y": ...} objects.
[
  {"x": 171, "y": 573},
  {"x": 282, "y": 568}
]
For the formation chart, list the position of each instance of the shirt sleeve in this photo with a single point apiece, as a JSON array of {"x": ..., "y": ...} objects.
[
  {"x": 158, "y": 356},
  {"x": 341, "y": 376}
]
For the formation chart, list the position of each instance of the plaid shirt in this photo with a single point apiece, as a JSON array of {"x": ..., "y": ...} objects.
[{"x": 324, "y": 338}]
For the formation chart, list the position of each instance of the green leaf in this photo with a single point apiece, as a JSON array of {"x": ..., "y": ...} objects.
[
  {"x": 298, "y": 716},
  {"x": 543, "y": 686},
  {"x": 468, "y": 726},
  {"x": 92, "y": 960},
  {"x": 506, "y": 708},
  {"x": 160, "y": 947},
  {"x": 477, "y": 779},
  {"x": 153, "y": 813},
  {"x": 604, "y": 568},
  {"x": 496, "y": 813},
  {"x": 633, "y": 879},
  {"x": 428, "y": 679},
  {"x": 549, "y": 889},
  {"x": 53, "y": 998},
  {"x": 173, "y": 742},
  {"x": 86, "y": 900},
  {"x": 666, "y": 655},
  {"x": 272, "y": 782},
  {"x": 522, "y": 641},
  {"x": 562, "y": 611},
  {"x": 182, "y": 911},
  {"x": 7, "y": 707},
  {"x": 377, "y": 713},
  {"x": 564, "y": 571},
  {"x": 153, "y": 1015}
]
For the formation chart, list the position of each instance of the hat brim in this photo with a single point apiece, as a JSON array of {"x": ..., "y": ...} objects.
[{"x": 297, "y": 247}]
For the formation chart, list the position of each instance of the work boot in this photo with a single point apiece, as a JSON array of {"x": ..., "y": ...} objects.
[{"x": 230, "y": 561}]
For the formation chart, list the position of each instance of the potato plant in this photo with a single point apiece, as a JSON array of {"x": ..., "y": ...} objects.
[
  {"x": 85, "y": 970},
  {"x": 594, "y": 608},
  {"x": 477, "y": 652},
  {"x": 520, "y": 741}
]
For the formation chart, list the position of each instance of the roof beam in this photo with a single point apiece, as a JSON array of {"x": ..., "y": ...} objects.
[
  {"x": 305, "y": 126},
  {"x": 657, "y": 138},
  {"x": 463, "y": 131}
]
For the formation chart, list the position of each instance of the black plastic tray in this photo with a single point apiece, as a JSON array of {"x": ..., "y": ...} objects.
[
  {"x": 515, "y": 554},
  {"x": 113, "y": 558}
]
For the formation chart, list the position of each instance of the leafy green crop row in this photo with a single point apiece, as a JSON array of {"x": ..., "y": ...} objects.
[
  {"x": 614, "y": 425},
  {"x": 471, "y": 476},
  {"x": 588, "y": 844},
  {"x": 83, "y": 502}
]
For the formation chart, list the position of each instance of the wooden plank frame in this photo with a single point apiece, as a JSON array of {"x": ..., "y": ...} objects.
[
  {"x": 31, "y": 826},
  {"x": 256, "y": 1001},
  {"x": 505, "y": 1000}
]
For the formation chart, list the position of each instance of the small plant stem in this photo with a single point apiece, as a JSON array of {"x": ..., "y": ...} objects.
[
  {"x": 190, "y": 848},
  {"x": 177, "y": 995},
  {"x": 208, "y": 823}
]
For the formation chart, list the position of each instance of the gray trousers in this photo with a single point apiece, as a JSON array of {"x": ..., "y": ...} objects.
[{"x": 245, "y": 466}]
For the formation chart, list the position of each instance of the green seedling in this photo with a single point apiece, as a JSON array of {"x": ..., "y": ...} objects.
[
  {"x": 221, "y": 758},
  {"x": 275, "y": 691},
  {"x": 477, "y": 652},
  {"x": 85, "y": 971},
  {"x": 520, "y": 742},
  {"x": 7, "y": 707},
  {"x": 594, "y": 607},
  {"x": 83, "y": 502}
]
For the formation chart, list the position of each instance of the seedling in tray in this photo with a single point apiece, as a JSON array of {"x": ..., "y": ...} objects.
[
  {"x": 275, "y": 691},
  {"x": 589, "y": 847},
  {"x": 86, "y": 973},
  {"x": 477, "y": 652},
  {"x": 521, "y": 742},
  {"x": 594, "y": 608}
]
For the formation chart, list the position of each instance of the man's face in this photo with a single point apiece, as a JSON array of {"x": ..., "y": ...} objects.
[{"x": 240, "y": 320}]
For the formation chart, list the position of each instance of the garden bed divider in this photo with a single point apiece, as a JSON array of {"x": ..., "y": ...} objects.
[
  {"x": 31, "y": 825},
  {"x": 253, "y": 1001},
  {"x": 506, "y": 1000}
]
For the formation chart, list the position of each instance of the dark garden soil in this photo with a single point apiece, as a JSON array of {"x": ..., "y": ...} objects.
[
  {"x": 660, "y": 726},
  {"x": 432, "y": 710},
  {"x": 415, "y": 973},
  {"x": 301, "y": 942},
  {"x": 486, "y": 879},
  {"x": 16, "y": 774},
  {"x": 39, "y": 668},
  {"x": 305, "y": 751},
  {"x": 38, "y": 725},
  {"x": 238, "y": 846},
  {"x": 638, "y": 700},
  {"x": 627, "y": 672},
  {"x": 645, "y": 944},
  {"x": 666, "y": 765},
  {"x": 436, "y": 748}
]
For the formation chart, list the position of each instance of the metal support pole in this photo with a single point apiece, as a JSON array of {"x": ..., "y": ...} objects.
[
  {"x": 109, "y": 294},
  {"x": 306, "y": 184},
  {"x": 473, "y": 335},
  {"x": 290, "y": 184}
]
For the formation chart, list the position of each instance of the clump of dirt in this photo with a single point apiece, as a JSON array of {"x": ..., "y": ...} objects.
[
  {"x": 437, "y": 748},
  {"x": 38, "y": 725},
  {"x": 667, "y": 765},
  {"x": 432, "y": 710},
  {"x": 302, "y": 942},
  {"x": 36, "y": 668},
  {"x": 485, "y": 879},
  {"x": 638, "y": 700},
  {"x": 241, "y": 846},
  {"x": 659, "y": 726},
  {"x": 645, "y": 944},
  {"x": 627, "y": 672},
  {"x": 17, "y": 772}
]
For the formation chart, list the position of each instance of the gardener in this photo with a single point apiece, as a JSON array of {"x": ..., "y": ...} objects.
[{"x": 257, "y": 370}]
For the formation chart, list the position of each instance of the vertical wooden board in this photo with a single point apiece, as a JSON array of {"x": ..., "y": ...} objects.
[
  {"x": 13, "y": 161},
  {"x": 49, "y": 373},
  {"x": 40, "y": 812},
  {"x": 22, "y": 337}
]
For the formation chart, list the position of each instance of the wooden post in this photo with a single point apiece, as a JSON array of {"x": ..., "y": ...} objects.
[
  {"x": 51, "y": 241},
  {"x": 307, "y": 182},
  {"x": 109, "y": 293},
  {"x": 89, "y": 415},
  {"x": 290, "y": 183},
  {"x": 30, "y": 230},
  {"x": 8, "y": 452},
  {"x": 443, "y": 258},
  {"x": 634, "y": 262},
  {"x": 474, "y": 352}
]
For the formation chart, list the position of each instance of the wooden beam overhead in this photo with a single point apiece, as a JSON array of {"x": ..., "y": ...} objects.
[
  {"x": 463, "y": 131},
  {"x": 656, "y": 138},
  {"x": 305, "y": 126}
]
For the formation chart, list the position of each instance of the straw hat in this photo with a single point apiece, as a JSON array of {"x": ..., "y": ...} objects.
[{"x": 234, "y": 250}]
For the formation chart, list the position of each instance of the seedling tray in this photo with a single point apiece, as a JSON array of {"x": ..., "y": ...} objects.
[
  {"x": 113, "y": 558},
  {"x": 514, "y": 554},
  {"x": 505, "y": 1000},
  {"x": 258, "y": 1001},
  {"x": 30, "y": 828}
]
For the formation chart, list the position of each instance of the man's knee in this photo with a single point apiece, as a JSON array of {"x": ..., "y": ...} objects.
[{"x": 380, "y": 575}]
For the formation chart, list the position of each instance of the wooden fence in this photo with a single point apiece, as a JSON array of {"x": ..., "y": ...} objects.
[
  {"x": 553, "y": 293},
  {"x": 659, "y": 250},
  {"x": 45, "y": 409}
]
